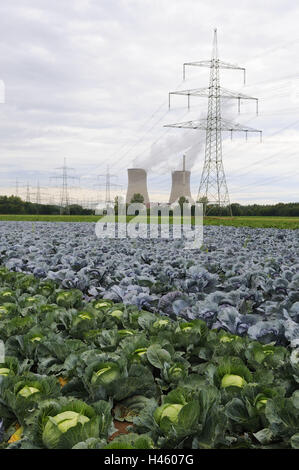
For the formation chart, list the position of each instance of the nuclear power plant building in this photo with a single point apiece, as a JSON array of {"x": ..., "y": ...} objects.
[
  {"x": 137, "y": 184},
  {"x": 180, "y": 186}
]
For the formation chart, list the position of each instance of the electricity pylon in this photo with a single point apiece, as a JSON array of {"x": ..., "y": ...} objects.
[
  {"x": 38, "y": 195},
  {"x": 17, "y": 187},
  {"x": 64, "y": 193},
  {"x": 108, "y": 177},
  {"x": 27, "y": 193},
  {"x": 213, "y": 187}
]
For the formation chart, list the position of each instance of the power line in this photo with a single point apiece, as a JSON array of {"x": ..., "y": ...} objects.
[
  {"x": 213, "y": 187},
  {"x": 269, "y": 180},
  {"x": 64, "y": 194},
  {"x": 38, "y": 195},
  {"x": 27, "y": 193},
  {"x": 128, "y": 147},
  {"x": 108, "y": 177}
]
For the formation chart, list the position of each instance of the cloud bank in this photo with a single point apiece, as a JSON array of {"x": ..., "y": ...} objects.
[{"x": 89, "y": 81}]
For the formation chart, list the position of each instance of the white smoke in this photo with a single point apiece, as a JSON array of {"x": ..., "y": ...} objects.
[{"x": 166, "y": 155}]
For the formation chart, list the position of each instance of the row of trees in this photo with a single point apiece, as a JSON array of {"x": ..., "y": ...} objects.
[
  {"x": 290, "y": 209},
  {"x": 15, "y": 205}
]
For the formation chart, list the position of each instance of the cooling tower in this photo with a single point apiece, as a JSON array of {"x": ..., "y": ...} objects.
[
  {"x": 180, "y": 186},
  {"x": 137, "y": 184}
]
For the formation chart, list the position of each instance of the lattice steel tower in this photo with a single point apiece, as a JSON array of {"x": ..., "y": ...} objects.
[
  {"x": 28, "y": 193},
  {"x": 213, "y": 187},
  {"x": 64, "y": 193},
  {"x": 38, "y": 195},
  {"x": 108, "y": 176}
]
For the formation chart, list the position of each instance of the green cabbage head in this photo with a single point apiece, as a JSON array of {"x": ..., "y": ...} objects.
[
  {"x": 107, "y": 373},
  {"x": 27, "y": 391},
  {"x": 35, "y": 339},
  {"x": 7, "y": 308},
  {"x": 3, "y": 311},
  {"x": 260, "y": 401},
  {"x": 231, "y": 380},
  {"x": 102, "y": 304},
  {"x": 168, "y": 410},
  {"x": 117, "y": 314},
  {"x": 138, "y": 354},
  {"x": 64, "y": 422},
  {"x": 226, "y": 339},
  {"x": 232, "y": 372},
  {"x": 160, "y": 323},
  {"x": 59, "y": 424},
  {"x": 125, "y": 332},
  {"x": 177, "y": 372},
  {"x": 85, "y": 316}
]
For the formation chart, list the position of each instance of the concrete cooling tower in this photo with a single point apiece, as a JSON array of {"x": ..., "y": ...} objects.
[
  {"x": 180, "y": 186},
  {"x": 137, "y": 184}
]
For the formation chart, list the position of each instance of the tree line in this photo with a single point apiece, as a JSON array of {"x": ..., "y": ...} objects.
[
  {"x": 289, "y": 209},
  {"x": 15, "y": 205}
]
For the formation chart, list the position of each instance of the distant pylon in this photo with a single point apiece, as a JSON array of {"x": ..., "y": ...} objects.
[
  {"x": 213, "y": 188},
  {"x": 28, "y": 193},
  {"x": 64, "y": 198},
  {"x": 64, "y": 193},
  {"x": 38, "y": 196},
  {"x": 108, "y": 177},
  {"x": 17, "y": 187}
]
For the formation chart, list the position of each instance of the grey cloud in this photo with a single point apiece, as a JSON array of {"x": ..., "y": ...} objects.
[{"x": 82, "y": 76}]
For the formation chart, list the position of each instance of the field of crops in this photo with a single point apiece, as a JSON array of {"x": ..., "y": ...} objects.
[
  {"x": 256, "y": 222},
  {"x": 143, "y": 344}
]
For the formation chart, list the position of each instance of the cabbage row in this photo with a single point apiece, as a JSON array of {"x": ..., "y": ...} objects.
[
  {"x": 243, "y": 280},
  {"x": 75, "y": 369}
]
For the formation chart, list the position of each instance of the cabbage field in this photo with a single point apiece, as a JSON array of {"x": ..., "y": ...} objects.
[{"x": 143, "y": 344}]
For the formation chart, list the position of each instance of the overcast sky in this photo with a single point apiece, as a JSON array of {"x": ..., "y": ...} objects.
[{"x": 88, "y": 80}]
